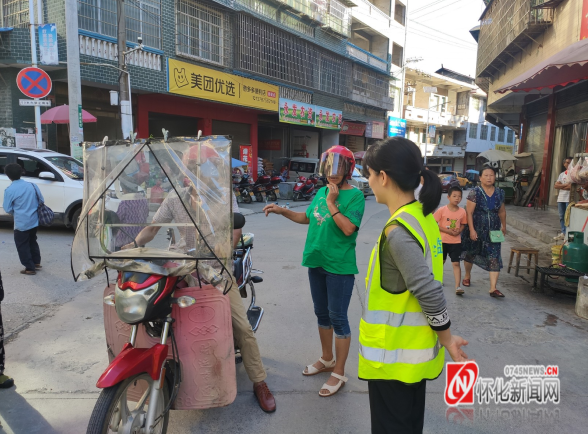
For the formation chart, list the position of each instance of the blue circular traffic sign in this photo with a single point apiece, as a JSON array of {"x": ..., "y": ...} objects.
[{"x": 34, "y": 82}]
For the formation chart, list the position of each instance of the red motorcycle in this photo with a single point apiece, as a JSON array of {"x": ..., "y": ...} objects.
[
  {"x": 266, "y": 186},
  {"x": 305, "y": 188}
]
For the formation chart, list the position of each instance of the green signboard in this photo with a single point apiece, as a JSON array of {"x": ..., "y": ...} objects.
[
  {"x": 299, "y": 113},
  {"x": 80, "y": 116}
]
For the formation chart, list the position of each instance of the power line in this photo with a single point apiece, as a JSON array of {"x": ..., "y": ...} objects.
[
  {"x": 426, "y": 6},
  {"x": 438, "y": 9},
  {"x": 443, "y": 33},
  {"x": 444, "y": 41}
]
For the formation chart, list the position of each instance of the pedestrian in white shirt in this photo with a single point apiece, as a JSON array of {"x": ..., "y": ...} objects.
[{"x": 563, "y": 198}]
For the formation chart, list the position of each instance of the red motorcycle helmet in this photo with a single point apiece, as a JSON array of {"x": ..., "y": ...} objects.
[{"x": 337, "y": 161}]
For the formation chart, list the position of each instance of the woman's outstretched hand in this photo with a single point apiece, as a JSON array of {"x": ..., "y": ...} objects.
[
  {"x": 454, "y": 348},
  {"x": 272, "y": 207}
]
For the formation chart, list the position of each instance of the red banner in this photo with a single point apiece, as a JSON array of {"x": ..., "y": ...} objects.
[
  {"x": 352, "y": 129},
  {"x": 584, "y": 22},
  {"x": 270, "y": 145},
  {"x": 246, "y": 155}
]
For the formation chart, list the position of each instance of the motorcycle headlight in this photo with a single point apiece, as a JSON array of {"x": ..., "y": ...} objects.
[{"x": 135, "y": 297}]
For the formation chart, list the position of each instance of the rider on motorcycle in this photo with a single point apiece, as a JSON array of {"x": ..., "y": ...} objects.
[{"x": 172, "y": 210}]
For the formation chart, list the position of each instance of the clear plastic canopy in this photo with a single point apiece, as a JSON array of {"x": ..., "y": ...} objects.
[{"x": 162, "y": 207}]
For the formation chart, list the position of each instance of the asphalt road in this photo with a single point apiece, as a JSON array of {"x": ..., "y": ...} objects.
[{"x": 57, "y": 358}]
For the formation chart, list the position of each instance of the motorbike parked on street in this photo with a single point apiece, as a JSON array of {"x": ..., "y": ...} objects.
[
  {"x": 266, "y": 186},
  {"x": 305, "y": 189},
  {"x": 167, "y": 315},
  {"x": 243, "y": 188}
]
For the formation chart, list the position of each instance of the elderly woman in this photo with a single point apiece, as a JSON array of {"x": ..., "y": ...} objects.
[{"x": 486, "y": 214}]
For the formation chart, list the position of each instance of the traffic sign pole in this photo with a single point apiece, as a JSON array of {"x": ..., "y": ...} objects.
[{"x": 38, "y": 135}]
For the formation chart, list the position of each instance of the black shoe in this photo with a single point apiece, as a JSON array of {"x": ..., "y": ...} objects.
[{"x": 6, "y": 382}]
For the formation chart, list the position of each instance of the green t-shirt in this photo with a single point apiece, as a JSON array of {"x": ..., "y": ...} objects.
[{"x": 326, "y": 245}]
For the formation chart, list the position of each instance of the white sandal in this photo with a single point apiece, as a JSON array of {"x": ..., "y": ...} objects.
[
  {"x": 328, "y": 367},
  {"x": 333, "y": 389}
]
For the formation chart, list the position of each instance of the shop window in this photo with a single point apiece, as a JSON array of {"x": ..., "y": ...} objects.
[
  {"x": 493, "y": 134},
  {"x": 484, "y": 132},
  {"x": 501, "y": 135},
  {"x": 15, "y": 13},
  {"x": 143, "y": 18},
  {"x": 3, "y": 162},
  {"x": 397, "y": 55},
  {"x": 203, "y": 32},
  {"x": 510, "y": 136},
  {"x": 473, "y": 131}
]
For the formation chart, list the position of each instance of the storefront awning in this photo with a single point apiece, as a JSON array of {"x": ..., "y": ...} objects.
[{"x": 568, "y": 66}]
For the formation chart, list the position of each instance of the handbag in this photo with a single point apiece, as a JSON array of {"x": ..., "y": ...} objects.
[
  {"x": 46, "y": 214},
  {"x": 495, "y": 236}
]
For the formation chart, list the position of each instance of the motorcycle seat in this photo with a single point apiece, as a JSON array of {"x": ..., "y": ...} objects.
[{"x": 246, "y": 241}]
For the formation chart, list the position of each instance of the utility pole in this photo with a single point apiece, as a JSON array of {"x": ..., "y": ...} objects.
[
  {"x": 124, "y": 81},
  {"x": 33, "y": 27},
  {"x": 74, "y": 84}
]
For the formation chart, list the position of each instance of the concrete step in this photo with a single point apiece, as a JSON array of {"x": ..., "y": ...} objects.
[{"x": 523, "y": 239}]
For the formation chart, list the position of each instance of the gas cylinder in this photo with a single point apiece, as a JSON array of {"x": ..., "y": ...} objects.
[{"x": 575, "y": 253}]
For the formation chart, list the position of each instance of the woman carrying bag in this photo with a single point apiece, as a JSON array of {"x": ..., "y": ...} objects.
[
  {"x": 334, "y": 217},
  {"x": 405, "y": 323},
  {"x": 482, "y": 238}
]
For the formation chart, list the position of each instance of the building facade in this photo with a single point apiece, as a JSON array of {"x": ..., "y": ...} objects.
[
  {"x": 456, "y": 108},
  {"x": 529, "y": 63},
  {"x": 224, "y": 67}
]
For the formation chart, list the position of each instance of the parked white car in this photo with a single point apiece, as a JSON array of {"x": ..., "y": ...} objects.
[
  {"x": 58, "y": 176},
  {"x": 360, "y": 182}
]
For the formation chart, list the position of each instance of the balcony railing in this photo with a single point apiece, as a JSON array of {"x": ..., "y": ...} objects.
[
  {"x": 367, "y": 8},
  {"x": 432, "y": 117},
  {"x": 366, "y": 57},
  {"x": 338, "y": 18},
  {"x": 506, "y": 27}
]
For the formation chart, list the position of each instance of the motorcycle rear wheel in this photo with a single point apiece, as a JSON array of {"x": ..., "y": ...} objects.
[
  {"x": 272, "y": 196},
  {"x": 246, "y": 197},
  {"x": 106, "y": 411}
]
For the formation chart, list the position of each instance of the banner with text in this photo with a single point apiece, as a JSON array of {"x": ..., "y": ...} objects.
[
  {"x": 48, "y": 44},
  {"x": 198, "y": 82},
  {"x": 299, "y": 113},
  {"x": 328, "y": 118}
]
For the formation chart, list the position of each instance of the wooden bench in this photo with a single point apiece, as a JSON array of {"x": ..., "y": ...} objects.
[{"x": 517, "y": 266}]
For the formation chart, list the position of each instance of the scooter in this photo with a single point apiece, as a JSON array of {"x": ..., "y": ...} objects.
[
  {"x": 305, "y": 188},
  {"x": 243, "y": 188},
  {"x": 266, "y": 186}
]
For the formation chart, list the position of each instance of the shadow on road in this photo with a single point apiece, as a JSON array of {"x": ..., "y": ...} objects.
[{"x": 19, "y": 417}]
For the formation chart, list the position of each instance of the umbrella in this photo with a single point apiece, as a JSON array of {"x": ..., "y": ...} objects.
[
  {"x": 359, "y": 155},
  {"x": 473, "y": 171},
  {"x": 494, "y": 155},
  {"x": 60, "y": 115},
  {"x": 237, "y": 163}
]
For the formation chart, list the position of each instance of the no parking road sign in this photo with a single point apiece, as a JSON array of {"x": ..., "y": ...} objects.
[{"x": 33, "y": 82}]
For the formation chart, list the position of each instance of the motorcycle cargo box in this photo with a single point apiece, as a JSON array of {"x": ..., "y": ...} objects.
[{"x": 204, "y": 336}]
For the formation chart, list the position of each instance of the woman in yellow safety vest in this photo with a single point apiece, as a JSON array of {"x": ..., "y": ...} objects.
[{"x": 405, "y": 322}]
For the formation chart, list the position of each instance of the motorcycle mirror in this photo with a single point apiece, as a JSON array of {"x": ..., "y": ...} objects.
[{"x": 238, "y": 220}]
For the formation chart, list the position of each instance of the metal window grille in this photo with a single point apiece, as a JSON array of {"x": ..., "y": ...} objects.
[
  {"x": 303, "y": 6},
  {"x": 376, "y": 114},
  {"x": 484, "y": 132},
  {"x": 510, "y": 136},
  {"x": 260, "y": 8},
  {"x": 203, "y": 32},
  {"x": 339, "y": 18},
  {"x": 266, "y": 50},
  {"x": 501, "y": 135},
  {"x": 295, "y": 24},
  {"x": 143, "y": 18},
  {"x": 98, "y": 16},
  {"x": 15, "y": 13},
  {"x": 493, "y": 134},
  {"x": 370, "y": 85},
  {"x": 473, "y": 130},
  {"x": 295, "y": 94},
  {"x": 354, "y": 108}
]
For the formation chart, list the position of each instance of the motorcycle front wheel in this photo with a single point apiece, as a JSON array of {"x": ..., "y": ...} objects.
[
  {"x": 296, "y": 196},
  {"x": 123, "y": 408},
  {"x": 246, "y": 197}
]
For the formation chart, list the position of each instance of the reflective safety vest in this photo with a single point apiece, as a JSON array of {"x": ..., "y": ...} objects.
[{"x": 395, "y": 339}]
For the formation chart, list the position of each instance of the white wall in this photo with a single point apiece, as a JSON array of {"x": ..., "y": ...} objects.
[{"x": 330, "y": 138}]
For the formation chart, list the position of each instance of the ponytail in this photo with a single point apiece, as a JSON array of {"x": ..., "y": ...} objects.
[{"x": 402, "y": 161}]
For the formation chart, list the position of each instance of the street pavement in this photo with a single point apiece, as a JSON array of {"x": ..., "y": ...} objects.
[{"x": 56, "y": 351}]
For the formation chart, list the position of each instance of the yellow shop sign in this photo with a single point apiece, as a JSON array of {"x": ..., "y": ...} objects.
[
  {"x": 198, "y": 82},
  {"x": 505, "y": 148}
]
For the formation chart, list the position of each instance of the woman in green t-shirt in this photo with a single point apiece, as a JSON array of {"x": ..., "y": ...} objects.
[{"x": 334, "y": 217}]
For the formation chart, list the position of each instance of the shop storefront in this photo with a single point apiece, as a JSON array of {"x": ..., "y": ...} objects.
[
  {"x": 227, "y": 105},
  {"x": 352, "y": 136}
]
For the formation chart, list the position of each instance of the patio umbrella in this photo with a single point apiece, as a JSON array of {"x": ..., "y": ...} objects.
[
  {"x": 237, "y": 163},
  {"x": 494, "y": 155},
  {"x": 359, "y": 155},
  {"x": 60, "y": 115},
  {"x": 473, "y": 171}
]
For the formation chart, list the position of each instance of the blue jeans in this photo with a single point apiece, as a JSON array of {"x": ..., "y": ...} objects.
[
  {"x": 331, "y": 294},
  {"x": 561, "y": 208}
]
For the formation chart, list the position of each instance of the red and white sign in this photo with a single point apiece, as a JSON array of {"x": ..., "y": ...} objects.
[
  {"x": 34, "y": 82},
  {"x": 375, "y": 130},
  {"x": 352, "y": 129},
  {"x": 459, "y": 383},
  {"x": 246, "y": 155}
]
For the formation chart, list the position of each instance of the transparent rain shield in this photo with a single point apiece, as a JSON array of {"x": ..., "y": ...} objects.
[
  {"x": 157, "y": 207},
  {"x": 333, "y": 164}
]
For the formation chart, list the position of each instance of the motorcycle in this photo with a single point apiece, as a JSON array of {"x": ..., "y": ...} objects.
[
  {"x": 167, "y": 315},
  {"x": 266, "y": 186},
  {"x": 305, "y": 188},
  {"x": 243, "y": 188}
]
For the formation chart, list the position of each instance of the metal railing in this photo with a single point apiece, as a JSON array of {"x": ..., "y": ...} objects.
[
  {"x": 98, "y": 16},
  {"x": 338, "y": 18},
  {"x": 366, "y": 57},
  {"x": 371, "y": 88}
]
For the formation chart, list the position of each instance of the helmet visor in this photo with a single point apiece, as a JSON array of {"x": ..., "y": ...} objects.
[{"x": 333, "y": 164}]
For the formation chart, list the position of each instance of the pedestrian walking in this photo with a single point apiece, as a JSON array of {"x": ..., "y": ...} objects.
[
  {"x": 334, "y": 217},
  {"x": 405, "y": 323},
  {"x": 563, "y": 197},
  {"x": 5, "y": 381},
  {"x": 452, "y": 220},
  {"x": 21, "y": 199},
  {"x": 485, "y": 231}
]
